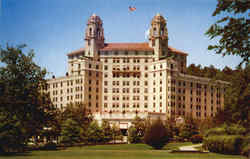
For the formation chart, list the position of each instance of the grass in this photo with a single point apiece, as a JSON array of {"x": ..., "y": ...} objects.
[{"x": 132, "y": 151}]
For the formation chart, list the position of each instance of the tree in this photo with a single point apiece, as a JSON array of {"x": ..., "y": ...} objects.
[
  {"x": 24, "y": 109},
  {"x": 95, "y": 133},
  {"x": 156, "y": 135},
  {"x": 70, "y": 132},
  {"x": 188, "y": 129},
  {"x": 116, "y": 133},
  {"x": 232, "y": 29},
  {"x": 137, "y": 130},
  {"x": 237, "y": 99},
  {"x": 107, "y": 131}
]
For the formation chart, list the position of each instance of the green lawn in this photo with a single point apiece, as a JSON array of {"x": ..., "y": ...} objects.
[{"x": 132, "y": 151}]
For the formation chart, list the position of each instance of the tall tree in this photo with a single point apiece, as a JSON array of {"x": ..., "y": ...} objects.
[
  {"x": 24, "y": 109},
  {"x": 233, "y": 29}
]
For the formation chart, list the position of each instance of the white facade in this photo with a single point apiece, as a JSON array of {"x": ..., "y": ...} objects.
[{"x": 118, "y": 81}]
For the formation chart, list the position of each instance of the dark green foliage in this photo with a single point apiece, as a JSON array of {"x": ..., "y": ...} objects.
[
  {"x": 80, "y": 116},
  {"x": 246, "y": 150},
  {"x": 226, "y": 144},
  {"x": 49, "y": 146},
  {"x": 107, "y": 131},
  {"x": 216, "y": 131},
  {"x": 196, "y": 139},
  {"x": 70, "y": 133},
  {"x": 232, "y": 29},
  {"x": 227, "y": 139},
  {"x": 95, "y": 133},
  {"x": 10, "y": 130},
  {"x": 116, "y": 133},
  {"x": 137, "y": 130},
  {"x": 24, "y": 110},
  {"x": 232, "y": 129},
  {"x": 188, "y": 129},
  {"x": 156, "y": 135}
]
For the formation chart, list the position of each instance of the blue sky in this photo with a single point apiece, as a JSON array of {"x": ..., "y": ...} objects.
[{"x": 54, "y": 28}]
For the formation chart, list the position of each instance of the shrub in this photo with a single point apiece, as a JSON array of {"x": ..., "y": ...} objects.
[
  {"x": 235, "y": 129},
  {"x": 246, "y": 151},
  {"x": 156, "y": 135},
  {"x": 226, "y": 144},
  {"x": 95, "y": 133},
  {"x": 216, "y": 131},
  {"x": 196, "y": 138},
  {"x": 137, "y": 130},
  {"x": 49, "y": 146},
  {"x": 133, "y": 136},
  {"x": 70, "y": 132},
  {"x": 246, "y": 146}
]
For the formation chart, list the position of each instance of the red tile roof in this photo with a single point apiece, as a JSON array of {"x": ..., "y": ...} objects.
[
  {"x": 81, "y": 50},
  {"x": 127, "y": 47}
]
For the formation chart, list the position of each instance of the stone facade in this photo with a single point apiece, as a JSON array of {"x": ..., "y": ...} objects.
[{"x": 119, "y": 81}]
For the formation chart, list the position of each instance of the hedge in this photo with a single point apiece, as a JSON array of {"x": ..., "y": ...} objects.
[
  {"x": 196, "y": 139},
  {"x": 226, "y": 144}
]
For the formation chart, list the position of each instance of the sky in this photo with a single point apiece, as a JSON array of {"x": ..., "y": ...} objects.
[{"x": 54, "y": 28}]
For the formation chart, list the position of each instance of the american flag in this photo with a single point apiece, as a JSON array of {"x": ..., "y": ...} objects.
[{"x": 131, "y": 8}]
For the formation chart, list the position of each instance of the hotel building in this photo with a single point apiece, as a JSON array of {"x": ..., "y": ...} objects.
[{"x": 119, "y": 81}]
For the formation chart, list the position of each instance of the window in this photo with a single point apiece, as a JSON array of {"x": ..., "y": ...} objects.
[
  {"x": 105, "y": 83},
  {"x": 105, "y": 90},
  {"x": 105, "y": 67}
]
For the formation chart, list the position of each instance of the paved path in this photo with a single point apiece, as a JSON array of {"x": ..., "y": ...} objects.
[{"x": 189, "y": 148}]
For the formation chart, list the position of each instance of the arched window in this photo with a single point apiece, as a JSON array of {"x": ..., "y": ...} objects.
[
  {"x": 155, "y": 32},
  {"x": 90, "y": 31}
]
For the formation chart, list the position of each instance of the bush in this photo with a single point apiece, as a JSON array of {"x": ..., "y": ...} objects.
[
  {"x": 246, "y": 146},
  {"x": 226, "y": 144},
  {"x": 49, "y": 146},
  {"x": 196, "y": 139},
  {"x": 70, "y": 132},
  {"x": 246, "y": 151},
  {"x": 95, "y": 133},
  {"x": 235, "y": 129},
  {"x": 156, "y": 135},
  {"x": 216, "y": 131},
  {"x": 133, "y": 136},
  {"x": 137, "y": 130}
]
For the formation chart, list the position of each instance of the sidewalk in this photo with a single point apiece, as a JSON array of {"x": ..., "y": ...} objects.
[{"x": 189, "y": 148}]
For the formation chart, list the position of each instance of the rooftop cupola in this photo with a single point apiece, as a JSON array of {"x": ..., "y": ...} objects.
[
  {"x": 158, "y": 36},
  {"x": 94, "y": 36}
]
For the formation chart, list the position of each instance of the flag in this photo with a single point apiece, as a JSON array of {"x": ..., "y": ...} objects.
[{"x": 131, "y": 8}]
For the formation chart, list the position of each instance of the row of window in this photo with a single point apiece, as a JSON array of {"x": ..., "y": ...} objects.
[
  {"x": 77, "y": 96},
  {"x": 60, "y": 84}
]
